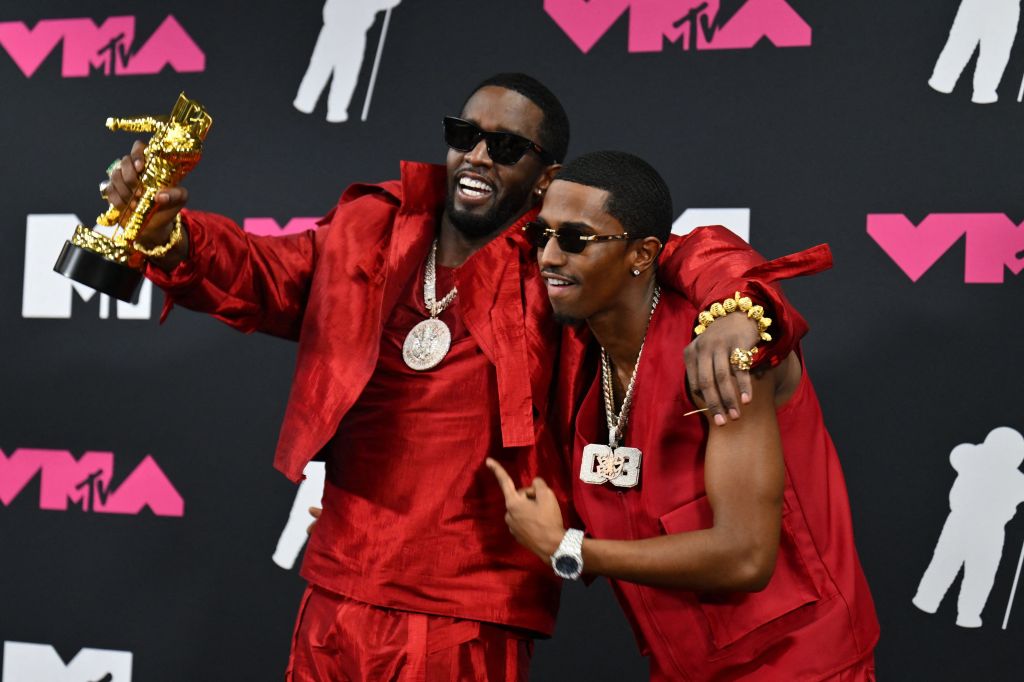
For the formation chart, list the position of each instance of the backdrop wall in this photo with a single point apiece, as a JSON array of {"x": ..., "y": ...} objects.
[{"x": 139, "y": 507}]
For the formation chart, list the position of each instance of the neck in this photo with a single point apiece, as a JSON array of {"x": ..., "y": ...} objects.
[
  {"x": 454, "y": 247},
  {"x": 620, "y": 328}
]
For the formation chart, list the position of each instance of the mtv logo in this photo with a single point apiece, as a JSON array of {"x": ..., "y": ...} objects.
[
  {"x": 28, "y": 662},
  {"x": 109, "y": 48},
  {"x": 693, "y": 24},
  {"x": 736, "y": 219},
  {"x": 994, "y": 243},
  {"x": 45, "y": 293}
]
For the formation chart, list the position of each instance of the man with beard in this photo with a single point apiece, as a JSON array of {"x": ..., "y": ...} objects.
[
  {"x": 730, "y": 549},
  {"x": 426, "y": 344}
]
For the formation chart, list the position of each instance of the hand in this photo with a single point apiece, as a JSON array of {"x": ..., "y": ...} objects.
[
  {"x": 533, "y": 514},
  {"x": 712, "y": 379},
  {"x": 315, "y": 513},
  {"x": 124, "y": 188}
]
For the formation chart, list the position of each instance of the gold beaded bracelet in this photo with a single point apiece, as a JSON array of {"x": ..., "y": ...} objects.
[
  {"x": 731, "y": 305},
  {"x": 172, "y": 241}
]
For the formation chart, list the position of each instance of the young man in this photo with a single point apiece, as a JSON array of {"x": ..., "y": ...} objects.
[
  {"x": 730, "y": 549},
  {"x": 426, "y": 344}
]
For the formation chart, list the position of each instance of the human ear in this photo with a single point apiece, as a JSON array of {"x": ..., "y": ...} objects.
[
  {"x": 547, "y": 176},
  {"x": 644, "y": 253}
]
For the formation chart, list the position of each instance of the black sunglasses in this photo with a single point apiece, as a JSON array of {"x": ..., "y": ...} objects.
[
  {"x": 570, "y": 239},
  {"x": 503, "y": 148}
]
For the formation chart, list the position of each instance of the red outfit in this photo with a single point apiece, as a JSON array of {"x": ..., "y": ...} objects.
[
  {"x": 412, "y": 520},
  {"x": 342, "y": 640},
  {"x": 815, "y": 618}
]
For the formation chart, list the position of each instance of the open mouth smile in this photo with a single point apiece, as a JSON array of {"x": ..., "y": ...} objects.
[{"x": 473, "y": 189}]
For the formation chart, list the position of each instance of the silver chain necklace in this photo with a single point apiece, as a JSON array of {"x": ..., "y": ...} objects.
[
  {"x": 612, "y": 463},
  {"x": 428, "y": 342},
  {"x": 617, "y": 423},
  {"x": 434, "y": 307}
]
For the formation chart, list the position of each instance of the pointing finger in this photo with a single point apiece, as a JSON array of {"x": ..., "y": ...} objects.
[{"x": 508, "y": 487}]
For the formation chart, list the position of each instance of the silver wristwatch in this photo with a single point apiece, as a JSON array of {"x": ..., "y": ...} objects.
[{"x": 568, "y": 558}]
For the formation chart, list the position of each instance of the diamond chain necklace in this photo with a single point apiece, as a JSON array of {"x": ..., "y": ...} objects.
[
  {"x": 617, "y": 424},
  {"x": 434, "y": 307}
]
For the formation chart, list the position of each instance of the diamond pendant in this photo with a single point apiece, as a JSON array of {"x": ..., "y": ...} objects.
[
  {"x": 427, "y": 344},
  {"x": 602, "y": 464}
]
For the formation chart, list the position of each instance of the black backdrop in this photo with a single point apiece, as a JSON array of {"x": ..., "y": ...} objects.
[{"x": 811, "y": 139}]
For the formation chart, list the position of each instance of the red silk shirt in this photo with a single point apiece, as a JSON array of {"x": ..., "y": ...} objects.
[
  {"x": 816, "y": 616},
  {"x": 337, "y": 290},
  {"x": 412, "y": 519}
]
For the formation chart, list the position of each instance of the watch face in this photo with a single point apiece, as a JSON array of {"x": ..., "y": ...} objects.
[{"x": 567, "y": 565}]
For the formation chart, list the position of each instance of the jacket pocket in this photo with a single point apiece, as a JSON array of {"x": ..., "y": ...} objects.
[{"x": 770, "y": 613}]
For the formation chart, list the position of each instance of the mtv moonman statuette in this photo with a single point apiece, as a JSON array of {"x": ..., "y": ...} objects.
[{"x": 112, "y": 265}]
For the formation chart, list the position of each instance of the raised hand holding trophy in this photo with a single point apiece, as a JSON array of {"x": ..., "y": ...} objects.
[{"x": 113, "y": 265}]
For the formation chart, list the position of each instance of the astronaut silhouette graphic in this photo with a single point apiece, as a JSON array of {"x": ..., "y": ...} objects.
[
  {"x": 338, "y": 55},
  {"x": 991, "y": 27},
  {"x": 988, "y": 487},
  {"x": 293, "y": 536}
]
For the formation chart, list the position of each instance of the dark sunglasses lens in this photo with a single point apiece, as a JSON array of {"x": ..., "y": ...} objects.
[
  {"x": 506, "y": 148},
  {"x": 460, "y": 135},
  {"x": 569, "y": 240},
  {"x": 536, "y": 235}
]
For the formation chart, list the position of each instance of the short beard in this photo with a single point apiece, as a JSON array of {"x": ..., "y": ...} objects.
[
  {"x": 568, "y": 320},
  {"x": 498, "y": 216}
]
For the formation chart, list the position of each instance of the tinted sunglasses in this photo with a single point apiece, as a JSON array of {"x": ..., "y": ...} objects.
[
  {"x": 503, "y": 148},
  {"x": 570, "y": 239}
]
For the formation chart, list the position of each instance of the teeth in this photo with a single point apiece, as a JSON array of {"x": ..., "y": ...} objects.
[
  {"x": 474, "y": 188},
  {"x": 557, "y": 282}
]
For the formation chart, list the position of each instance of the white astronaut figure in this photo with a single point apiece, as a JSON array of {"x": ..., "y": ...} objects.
[
  {"x": 338, "y": 55},
  {"x": 293, "y": 537},
  {"x": 990, "y": 26},
  {"x": 983, "y": 499}
]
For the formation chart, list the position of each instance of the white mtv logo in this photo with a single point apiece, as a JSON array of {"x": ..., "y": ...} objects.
[
  {"x": 28, "y": 662},
  {"x": 45, "y": 293},
  {"x": 736, "y": 219}
]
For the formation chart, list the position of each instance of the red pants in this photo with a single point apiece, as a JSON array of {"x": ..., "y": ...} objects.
[{"x": 340, "y": 640}]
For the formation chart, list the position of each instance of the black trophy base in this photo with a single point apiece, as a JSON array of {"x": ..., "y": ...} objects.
[{"x": 93, "y": 270}]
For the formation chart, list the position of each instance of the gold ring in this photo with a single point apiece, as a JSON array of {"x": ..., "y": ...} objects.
[{"x": 742, "y": 359}]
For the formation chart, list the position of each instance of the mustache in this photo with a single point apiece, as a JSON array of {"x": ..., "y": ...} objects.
[
  {"x": 477, "y": 170},
  {"x": 556, "y": 273}
]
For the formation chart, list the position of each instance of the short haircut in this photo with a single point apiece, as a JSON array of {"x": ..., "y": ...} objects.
[
  {"x": 637, "y": 195},
  {"x": 554, "y": 129}
]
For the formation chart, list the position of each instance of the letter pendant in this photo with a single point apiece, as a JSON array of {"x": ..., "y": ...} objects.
[{"x": 601, "y": 464}]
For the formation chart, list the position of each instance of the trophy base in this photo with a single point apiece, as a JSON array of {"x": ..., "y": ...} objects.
[{"x": 93, "y": 270}]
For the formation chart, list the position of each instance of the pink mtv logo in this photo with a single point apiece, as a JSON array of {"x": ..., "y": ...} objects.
[
  {"x": 106, "y": 47},
  {"x": 695, "y": 24},
  {"x": 86, "y": 483},
  {"x": 270, "y": 227},
  {"x": 994, "y": 242}
]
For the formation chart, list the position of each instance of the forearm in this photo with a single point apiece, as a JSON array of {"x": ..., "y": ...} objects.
[
  {"x": 711, "y": 264},
  {"x": 710, "y": 560},
  {"x": 250, "y": 283},
  {"x": 707, "y": 264}
]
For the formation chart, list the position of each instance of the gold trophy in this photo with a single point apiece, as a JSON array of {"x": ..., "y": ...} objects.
[{"x": 111, "y": 264}]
